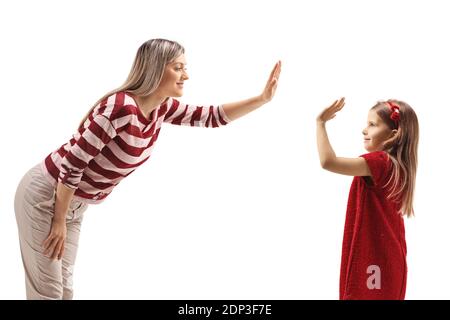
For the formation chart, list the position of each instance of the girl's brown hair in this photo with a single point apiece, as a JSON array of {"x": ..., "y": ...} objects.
[{"x": 402, "y": 150}]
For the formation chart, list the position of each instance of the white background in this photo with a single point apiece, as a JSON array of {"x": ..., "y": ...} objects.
[{"x": 245, "y": 211}]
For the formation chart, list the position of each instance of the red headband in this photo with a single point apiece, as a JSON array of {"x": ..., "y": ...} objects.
[{"x": 395, "y": 112}]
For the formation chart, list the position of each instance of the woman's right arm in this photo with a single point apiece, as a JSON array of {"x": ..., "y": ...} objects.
[
  {"x": 238, "y": 109},
  {"x": 220, "y": 115}
]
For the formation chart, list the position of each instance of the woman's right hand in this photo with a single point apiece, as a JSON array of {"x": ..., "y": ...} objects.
[
  {"x": 272, "y": 83},
  {"x": 330, "y": 112},
  {"x": 54, "y": 244}
]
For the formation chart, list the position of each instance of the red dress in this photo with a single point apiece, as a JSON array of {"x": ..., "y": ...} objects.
[{"x": 373, "y": 264}]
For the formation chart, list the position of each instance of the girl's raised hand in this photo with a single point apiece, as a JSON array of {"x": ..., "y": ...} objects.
[
  {"x": 330, "y": 112},
  {"x": 272, "y": 83}
]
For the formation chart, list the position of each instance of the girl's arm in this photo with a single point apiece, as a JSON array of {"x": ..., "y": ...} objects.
[
  {"x": 238, "y": 109},
  {"x": 328, "y": 159}
]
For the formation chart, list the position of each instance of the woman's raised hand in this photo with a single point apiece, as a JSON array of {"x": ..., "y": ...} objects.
[{"x": 272, "y": 83}]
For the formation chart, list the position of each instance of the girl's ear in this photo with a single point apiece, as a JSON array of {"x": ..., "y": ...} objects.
[{"x": 394, "y": 132}]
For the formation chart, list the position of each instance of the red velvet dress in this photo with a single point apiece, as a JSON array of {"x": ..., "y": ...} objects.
[{"x": 373, "y": 264}]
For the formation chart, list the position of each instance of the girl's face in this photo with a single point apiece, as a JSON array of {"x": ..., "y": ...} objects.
[
  {"x": 173, "y": 78},
  {"x": 376, "y": 132}
]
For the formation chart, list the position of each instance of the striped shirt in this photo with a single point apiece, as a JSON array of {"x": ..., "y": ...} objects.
[{"x": 115, "y": 139}]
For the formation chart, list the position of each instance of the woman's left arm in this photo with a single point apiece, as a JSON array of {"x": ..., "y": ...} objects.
[{"x": 238, "y": 109}]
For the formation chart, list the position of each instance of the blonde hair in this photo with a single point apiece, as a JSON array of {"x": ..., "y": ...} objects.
[
  {"x": 402, "y": 150},
  {"x": 147, "y": 70}
]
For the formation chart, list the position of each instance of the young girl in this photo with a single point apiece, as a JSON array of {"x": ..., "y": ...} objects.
[
  {"x": 115, "y": 137},
  {"x": 373, "y": 264}
]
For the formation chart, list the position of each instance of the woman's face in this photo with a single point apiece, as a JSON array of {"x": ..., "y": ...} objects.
[
  {"x": 376, "y": 132},
  {"x": 173, "y": 78}
]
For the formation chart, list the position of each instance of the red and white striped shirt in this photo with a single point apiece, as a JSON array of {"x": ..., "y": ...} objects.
[{"x": 115, "y": 139}]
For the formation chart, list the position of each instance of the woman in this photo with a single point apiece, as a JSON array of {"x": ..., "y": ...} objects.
[{"x": 115, "y": 137}]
